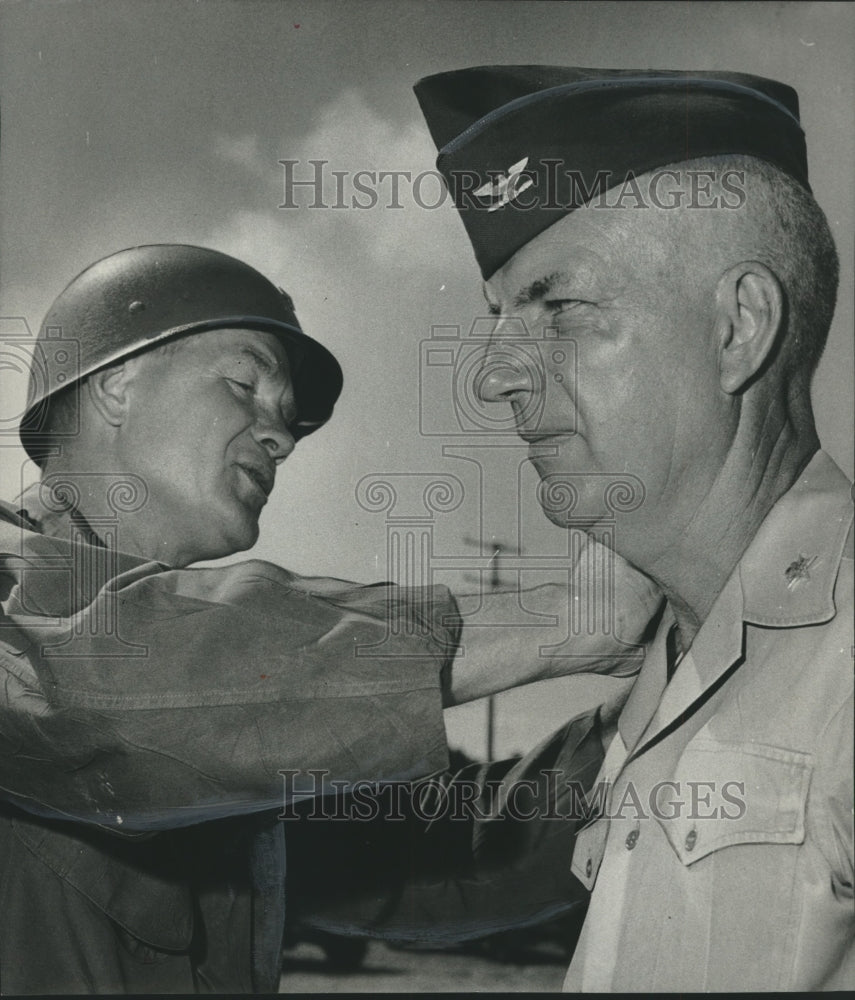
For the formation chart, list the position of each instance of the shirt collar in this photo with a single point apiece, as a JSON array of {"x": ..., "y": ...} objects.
[
  {"x": 52, "y": 513},
  {"x": 787, "y": 574},
  {"x": 785, "y": 578},
  {"x": 789, "y": 570}
]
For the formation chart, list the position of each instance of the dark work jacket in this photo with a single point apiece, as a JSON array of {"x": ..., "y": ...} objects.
[
  {"x": 140, "y": 849},
  {"x": 87, "y": 912},
  {"x": 187, "y": 911},
  {"x": 145, "y": 716}
]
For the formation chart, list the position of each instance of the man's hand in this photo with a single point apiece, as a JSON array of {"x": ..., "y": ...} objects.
[{"x": 514, "y": 637}]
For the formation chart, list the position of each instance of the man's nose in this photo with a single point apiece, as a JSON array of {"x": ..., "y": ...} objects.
[
  {"x": 272, "y": 433},
  {"x": 507, "y": 370}
]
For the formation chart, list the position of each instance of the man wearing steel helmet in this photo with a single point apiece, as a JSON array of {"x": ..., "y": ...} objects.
[
  {"x": 259, "y": 353},
  {"x": 662, "y": 223},
  {"x": 149, "y": 708}
]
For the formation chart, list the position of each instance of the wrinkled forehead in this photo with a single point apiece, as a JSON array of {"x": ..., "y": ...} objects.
[
  {"x": 588, "y": 247},
  {"x": 261, "y": 350}
]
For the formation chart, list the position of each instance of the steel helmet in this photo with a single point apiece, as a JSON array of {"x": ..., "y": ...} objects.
[{"x": 140, "y": 297}]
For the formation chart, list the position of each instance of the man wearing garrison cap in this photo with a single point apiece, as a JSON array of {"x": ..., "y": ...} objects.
[
  {"x": 155, "y": 717},
  {"x": 662, "y": 222}
]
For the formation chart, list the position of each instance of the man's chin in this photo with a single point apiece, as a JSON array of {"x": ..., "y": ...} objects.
[
  {"x": 239, "y": 534},
  {"x": 247, "y": 537},
  {"x": 588, "y": 500},
  {"x": 597, "y": 524}
]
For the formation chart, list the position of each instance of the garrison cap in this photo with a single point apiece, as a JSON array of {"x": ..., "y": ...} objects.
[
  {"x": 521, "y": 146},
  {"x": 140, "y": 297}
]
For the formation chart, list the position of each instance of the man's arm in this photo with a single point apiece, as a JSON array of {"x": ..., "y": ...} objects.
[
  {"x": 168, "y": 697},
  {"x": 175, "y": 696},
  {"x": 593, "y": 625}
]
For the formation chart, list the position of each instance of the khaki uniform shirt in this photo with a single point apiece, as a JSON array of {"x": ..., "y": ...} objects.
[{"x": 724, "y": 857}]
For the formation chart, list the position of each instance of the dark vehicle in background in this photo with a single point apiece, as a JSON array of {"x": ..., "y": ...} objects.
[{"x": 314, "y": 865}]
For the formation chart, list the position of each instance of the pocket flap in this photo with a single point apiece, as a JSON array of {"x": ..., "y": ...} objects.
[
  {"x": 117, "y": 876},
  {"x": 588, "y": 852},
  {"x": 734, "y": 793}
]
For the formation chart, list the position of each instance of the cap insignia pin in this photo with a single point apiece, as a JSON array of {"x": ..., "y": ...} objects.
[{"x": 506, "y": 188}]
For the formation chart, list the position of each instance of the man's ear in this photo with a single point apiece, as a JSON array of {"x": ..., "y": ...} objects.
[
  {"x": 750, "y": 304},
  {"x": 108, "y": 391}
]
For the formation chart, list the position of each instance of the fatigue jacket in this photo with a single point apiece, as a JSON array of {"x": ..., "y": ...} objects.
[
  {"x": 723, "y": 858},
  {"x": 145, "y": 715}
]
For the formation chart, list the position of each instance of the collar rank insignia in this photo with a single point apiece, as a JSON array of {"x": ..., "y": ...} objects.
[{"x": 799, "y": 570}]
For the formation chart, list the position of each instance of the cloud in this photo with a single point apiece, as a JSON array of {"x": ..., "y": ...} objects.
[
  {"x": 241, "y": 151},
  {"x": 358, "y": 183}
]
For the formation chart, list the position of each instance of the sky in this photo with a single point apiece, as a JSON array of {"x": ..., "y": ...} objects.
[{"x": 144, "y": 121}]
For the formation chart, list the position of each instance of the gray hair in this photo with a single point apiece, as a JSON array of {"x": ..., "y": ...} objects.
[{"x": 781, "y": 225}]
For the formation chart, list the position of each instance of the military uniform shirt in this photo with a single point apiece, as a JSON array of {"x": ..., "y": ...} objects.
[{"x": 723, "y": 858}]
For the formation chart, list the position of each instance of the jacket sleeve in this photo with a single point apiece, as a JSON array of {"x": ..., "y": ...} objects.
[
  {"x": 485, "y": 850},
  {"x": 166, "y": 697}
]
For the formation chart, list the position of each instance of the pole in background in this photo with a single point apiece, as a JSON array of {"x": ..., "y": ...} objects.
[{"x": 494, "y": 583}]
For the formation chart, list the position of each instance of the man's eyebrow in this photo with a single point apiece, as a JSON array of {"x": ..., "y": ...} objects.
[
  {"x": 261, "y": 361},
  {"x": 539, "y": 288}
]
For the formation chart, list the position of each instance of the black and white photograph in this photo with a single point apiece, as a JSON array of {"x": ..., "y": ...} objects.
[{"x": 426, "y": 447}]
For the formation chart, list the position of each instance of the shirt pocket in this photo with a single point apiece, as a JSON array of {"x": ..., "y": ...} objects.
[
  {"x": 726, "y": 794},
  {"x": 739, "y": 840}
]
